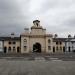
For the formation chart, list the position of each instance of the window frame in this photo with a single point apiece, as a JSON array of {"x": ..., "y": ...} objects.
[
  {"x": 14, "y": 42},
  {"x": 49, "y": 41},
  {"x": 25, "y": 48},
  {"x": 49, "y": 47},
  {"x": 9, "y": 42},
  {"x": 9, "y": 49}
]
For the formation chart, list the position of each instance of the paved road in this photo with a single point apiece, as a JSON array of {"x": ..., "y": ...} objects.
[{"x": 36, "y": 67}]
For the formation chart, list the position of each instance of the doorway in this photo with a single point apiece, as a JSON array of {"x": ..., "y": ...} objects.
[
  {"x": 53, "y": 49},
  {"x": 18, "y": 49},
  {"x": 63, "y": 49},
  {"x": 5, "y": 49},
  {"x": 37, "y": 48},
  {"x": 69, "y": 49}
]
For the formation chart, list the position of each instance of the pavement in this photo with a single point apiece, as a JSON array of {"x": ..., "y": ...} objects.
[
  {"x": 37, "y": 67},
  {"x": 36, "y": 64}
]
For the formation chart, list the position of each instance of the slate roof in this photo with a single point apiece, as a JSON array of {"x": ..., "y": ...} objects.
[
  {"x": 73, "y": 40},
  {"x": 59, "y": 39},
  {"x": 9, "y": 38},
  {"x": 63, "y": 39}
]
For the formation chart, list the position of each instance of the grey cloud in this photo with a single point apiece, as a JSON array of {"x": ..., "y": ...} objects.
[
  {"x": 55, "y": 4},
  {"x": 58, "y": 16},
  {"x": 70, "y": 22},
  {"x": 12, "y": 18}
]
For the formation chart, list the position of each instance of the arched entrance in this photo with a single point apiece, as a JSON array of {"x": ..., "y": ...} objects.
[
  {"x": 53, "y": 49},
  {"x": 18, "y": 49},
  {"x": 37, "y": 48},
  {"x": 69, "y": 48},
  {"x": 63, "y": 49},
  {"x": 5, "y": 49}
]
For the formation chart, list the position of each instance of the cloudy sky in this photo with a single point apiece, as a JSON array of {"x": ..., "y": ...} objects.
[{"x": 58, "y": 16}]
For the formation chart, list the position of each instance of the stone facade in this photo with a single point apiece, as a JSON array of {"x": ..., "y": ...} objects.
[
  {"x": 58, "y": 45},
  {"x": 1, "y": 46},
  {"x": 14, "y": 47},
  {"x": 11, "y": 45},
  {"x": 36, "y": 39},
  {"x": 70, "y": 45}
]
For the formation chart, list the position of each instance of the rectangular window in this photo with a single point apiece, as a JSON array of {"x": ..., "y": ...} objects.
[{"x": 49, "y": 47}]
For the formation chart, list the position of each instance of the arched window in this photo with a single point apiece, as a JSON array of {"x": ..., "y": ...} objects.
[
  {"x": 60, "y": 48},
  {"x": 25, "y": 48},
  {"x": 49, "y": 41},
  {"x": 69, "y": 48},
  {"x": 57, "y": 48},
  {"x": 49, "y": 47},
  {"x": 9, "y": 42},
  {"x": 60, "y": 43},
  {"x": 14, "y": 48},
  {"x": 25, "y": 41},
  {"x": 5, "y": 49},
  {"x": 9, "y": 49},
  {"x": 64, "y": 49},
  {"x": 56, "y": 43},
  {"x": 18, "y": 49},
  {"x": 53, "y": 49}
]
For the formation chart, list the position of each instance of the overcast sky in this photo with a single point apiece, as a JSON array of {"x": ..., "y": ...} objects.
[{"x": 58, "y": 16}]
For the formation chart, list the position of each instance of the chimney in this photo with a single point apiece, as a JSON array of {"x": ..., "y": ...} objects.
[
  {"x": 12, "y": 35},
  {"x": 69, "y": 36},
  {"x": 26, "y": 30}
]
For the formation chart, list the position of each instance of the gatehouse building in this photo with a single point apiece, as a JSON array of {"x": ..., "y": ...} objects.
[{"x": 36, "y": 40}]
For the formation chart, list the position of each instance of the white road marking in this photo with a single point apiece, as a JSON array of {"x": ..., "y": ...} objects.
[
  {"x": 39, "y": 58},
  {"x": 56, "y": 60},
  {"x": 53, "y": 58}
]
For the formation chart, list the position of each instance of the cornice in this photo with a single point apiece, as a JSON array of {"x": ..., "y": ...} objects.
[{"x": 46, "y": 35}]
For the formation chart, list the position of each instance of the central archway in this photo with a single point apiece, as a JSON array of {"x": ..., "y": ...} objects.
[{"x": 37, "y": 48}]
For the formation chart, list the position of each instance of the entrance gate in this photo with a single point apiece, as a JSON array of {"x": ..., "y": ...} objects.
[{"x": 37, "y": 48}]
